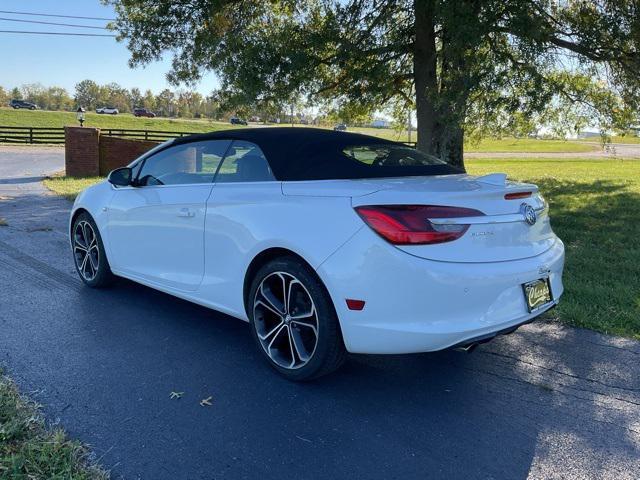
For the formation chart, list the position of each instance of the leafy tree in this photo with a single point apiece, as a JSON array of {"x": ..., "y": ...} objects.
[
  {"x": 4, "y": 97},
  {"x": 457, "y": 62},
  {"x": 15, "y": 93},
  {"x": 58, "y": 99},
  {"x": 35, "y": 93},
  {"x": 88, "y": 94},
  {"x": 149, "y": 100},
  {"x": 114, "y": 95},
  {"x": 165, "y": 103},
  {"x": 135, "y": 97}
]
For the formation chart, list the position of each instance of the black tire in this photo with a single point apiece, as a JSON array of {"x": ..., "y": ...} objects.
[
  {"x": 329, "y": 352},
  {"x": 96, "y": 272},
  {"x": 32, "y": 108}
]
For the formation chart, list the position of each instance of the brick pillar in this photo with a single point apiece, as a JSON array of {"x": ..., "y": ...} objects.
[
  {"x": 82, "y": 151},
  {"x": 118, "y": 152}
]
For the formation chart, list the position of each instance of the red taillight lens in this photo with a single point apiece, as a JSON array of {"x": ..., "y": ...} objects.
[
  {"x": 516, "y": 195},
  {"x": 410, "y": 225}
]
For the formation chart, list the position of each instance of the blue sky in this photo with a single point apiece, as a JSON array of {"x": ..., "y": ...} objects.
[{"x": 65, "y": 60}]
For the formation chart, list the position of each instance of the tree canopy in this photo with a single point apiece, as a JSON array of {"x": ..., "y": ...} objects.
[{"x": 465, "y": 66}]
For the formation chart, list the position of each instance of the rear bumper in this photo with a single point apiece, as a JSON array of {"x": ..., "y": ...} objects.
[
  {"x": 471, "y": 343},
  {"x": 417, "y": 305}
]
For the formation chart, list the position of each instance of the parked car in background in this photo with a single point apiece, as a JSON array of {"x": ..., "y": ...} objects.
[
  {"x": 237, "y": 121},
  {"x": 143, "y": 112},
  {"x": 16, "y": 104},
  {"x": 341, "y": 127},
  {"x": 108, "y": 110}
]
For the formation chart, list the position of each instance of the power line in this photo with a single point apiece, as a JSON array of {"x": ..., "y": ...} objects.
[
  {"x": 59, "y": 16},
  {"x": 52, "y": 23},
  {"x": 59, "y": 33}
]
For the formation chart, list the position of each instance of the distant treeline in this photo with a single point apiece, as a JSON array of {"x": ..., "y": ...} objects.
[
  {"x": 179, "y": 103},
  {"x": 90, "y": 95}
]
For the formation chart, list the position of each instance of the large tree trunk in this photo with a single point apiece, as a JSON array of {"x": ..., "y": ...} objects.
[
  {"x": 447, "y": 144},
  {"x": 437, "y": 134}
]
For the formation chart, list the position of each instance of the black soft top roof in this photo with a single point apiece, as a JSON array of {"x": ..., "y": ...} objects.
[{"x": 300, "y": 153}]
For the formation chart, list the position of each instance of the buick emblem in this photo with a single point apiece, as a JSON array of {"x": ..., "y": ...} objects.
[{"x": 529, "y": 214}]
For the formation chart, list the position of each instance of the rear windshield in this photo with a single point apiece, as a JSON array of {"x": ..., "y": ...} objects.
[
  {"x": 370, "y": 160},
  {"x": 391, "y": 156}
]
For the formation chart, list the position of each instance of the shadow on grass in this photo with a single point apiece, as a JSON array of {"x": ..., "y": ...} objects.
[{"x": 600, "y": 225}]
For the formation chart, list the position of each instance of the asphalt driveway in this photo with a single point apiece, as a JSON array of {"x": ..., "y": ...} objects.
[{"x": 546, "y": 402}]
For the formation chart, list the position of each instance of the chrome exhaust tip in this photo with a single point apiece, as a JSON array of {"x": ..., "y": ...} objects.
[{"x": 466, "y": 348}]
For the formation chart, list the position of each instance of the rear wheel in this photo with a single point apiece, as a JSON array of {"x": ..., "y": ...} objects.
[
  {"x": 88, "y": 253},
  {"x": 293, "y": 320}
]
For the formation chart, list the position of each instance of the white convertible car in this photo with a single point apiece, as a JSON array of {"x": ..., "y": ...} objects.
[{"x": 326, "y": 242}]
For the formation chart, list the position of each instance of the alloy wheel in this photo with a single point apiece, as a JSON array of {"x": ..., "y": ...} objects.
[
  {"x": 286, "y": 320},
  {"x": 85, "y": 250}
]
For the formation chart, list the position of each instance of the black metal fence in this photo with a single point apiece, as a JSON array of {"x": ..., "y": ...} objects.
[
  {"x": 55, "y": 135},
  {"x": 151, "y": 135},
  {"x": 31, "y": 135}
]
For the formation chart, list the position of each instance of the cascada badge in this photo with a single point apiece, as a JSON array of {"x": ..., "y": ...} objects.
[{"x": 528, "y": 213}]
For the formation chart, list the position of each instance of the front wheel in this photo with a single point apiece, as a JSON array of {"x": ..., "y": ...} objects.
[
  {"x": 88, "y": 253},
  {"x": 293, "y": 320}
]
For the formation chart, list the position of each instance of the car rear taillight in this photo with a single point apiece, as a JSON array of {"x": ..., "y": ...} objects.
[
  {"x": 516, "y": 195},
  {"x": 410, "y": 225}
]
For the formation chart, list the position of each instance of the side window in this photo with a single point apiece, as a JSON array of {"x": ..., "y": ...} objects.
[
  {"x": 245, "y": 162},
  {"x": 194, "y": 162}
]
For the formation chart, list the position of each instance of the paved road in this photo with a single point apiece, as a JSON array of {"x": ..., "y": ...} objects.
[
  {"x": 545, "y": 402},
  {"x": 617, "y": 150}
]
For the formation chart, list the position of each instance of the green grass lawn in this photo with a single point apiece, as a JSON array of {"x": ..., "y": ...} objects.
[
  {"x": 594, "y": 209},
  {"x": 40, "y": 118},
  {"x": 30, "y": 450},
  {"x": 614, "y": 139},
  {"x": 625, "y": 139},
  {"x": 534, "y": 145},
  {"x": 69, "y": 187}
]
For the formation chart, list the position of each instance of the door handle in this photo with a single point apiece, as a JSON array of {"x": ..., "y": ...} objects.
[{"x": 185, "y": 212}]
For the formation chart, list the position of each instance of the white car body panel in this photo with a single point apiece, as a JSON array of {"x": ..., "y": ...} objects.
[
  {"x": 418, "y": 298},
  {"x": 156, "y": 233},
  {"x": 244, "y": 220},
  {"x": 419, "y": 305}
]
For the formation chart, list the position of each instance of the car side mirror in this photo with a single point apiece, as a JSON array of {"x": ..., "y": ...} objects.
[{"x": 120, "y": 177}]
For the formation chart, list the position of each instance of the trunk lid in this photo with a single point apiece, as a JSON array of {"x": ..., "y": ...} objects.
[{"x": 503, "y": 234}]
